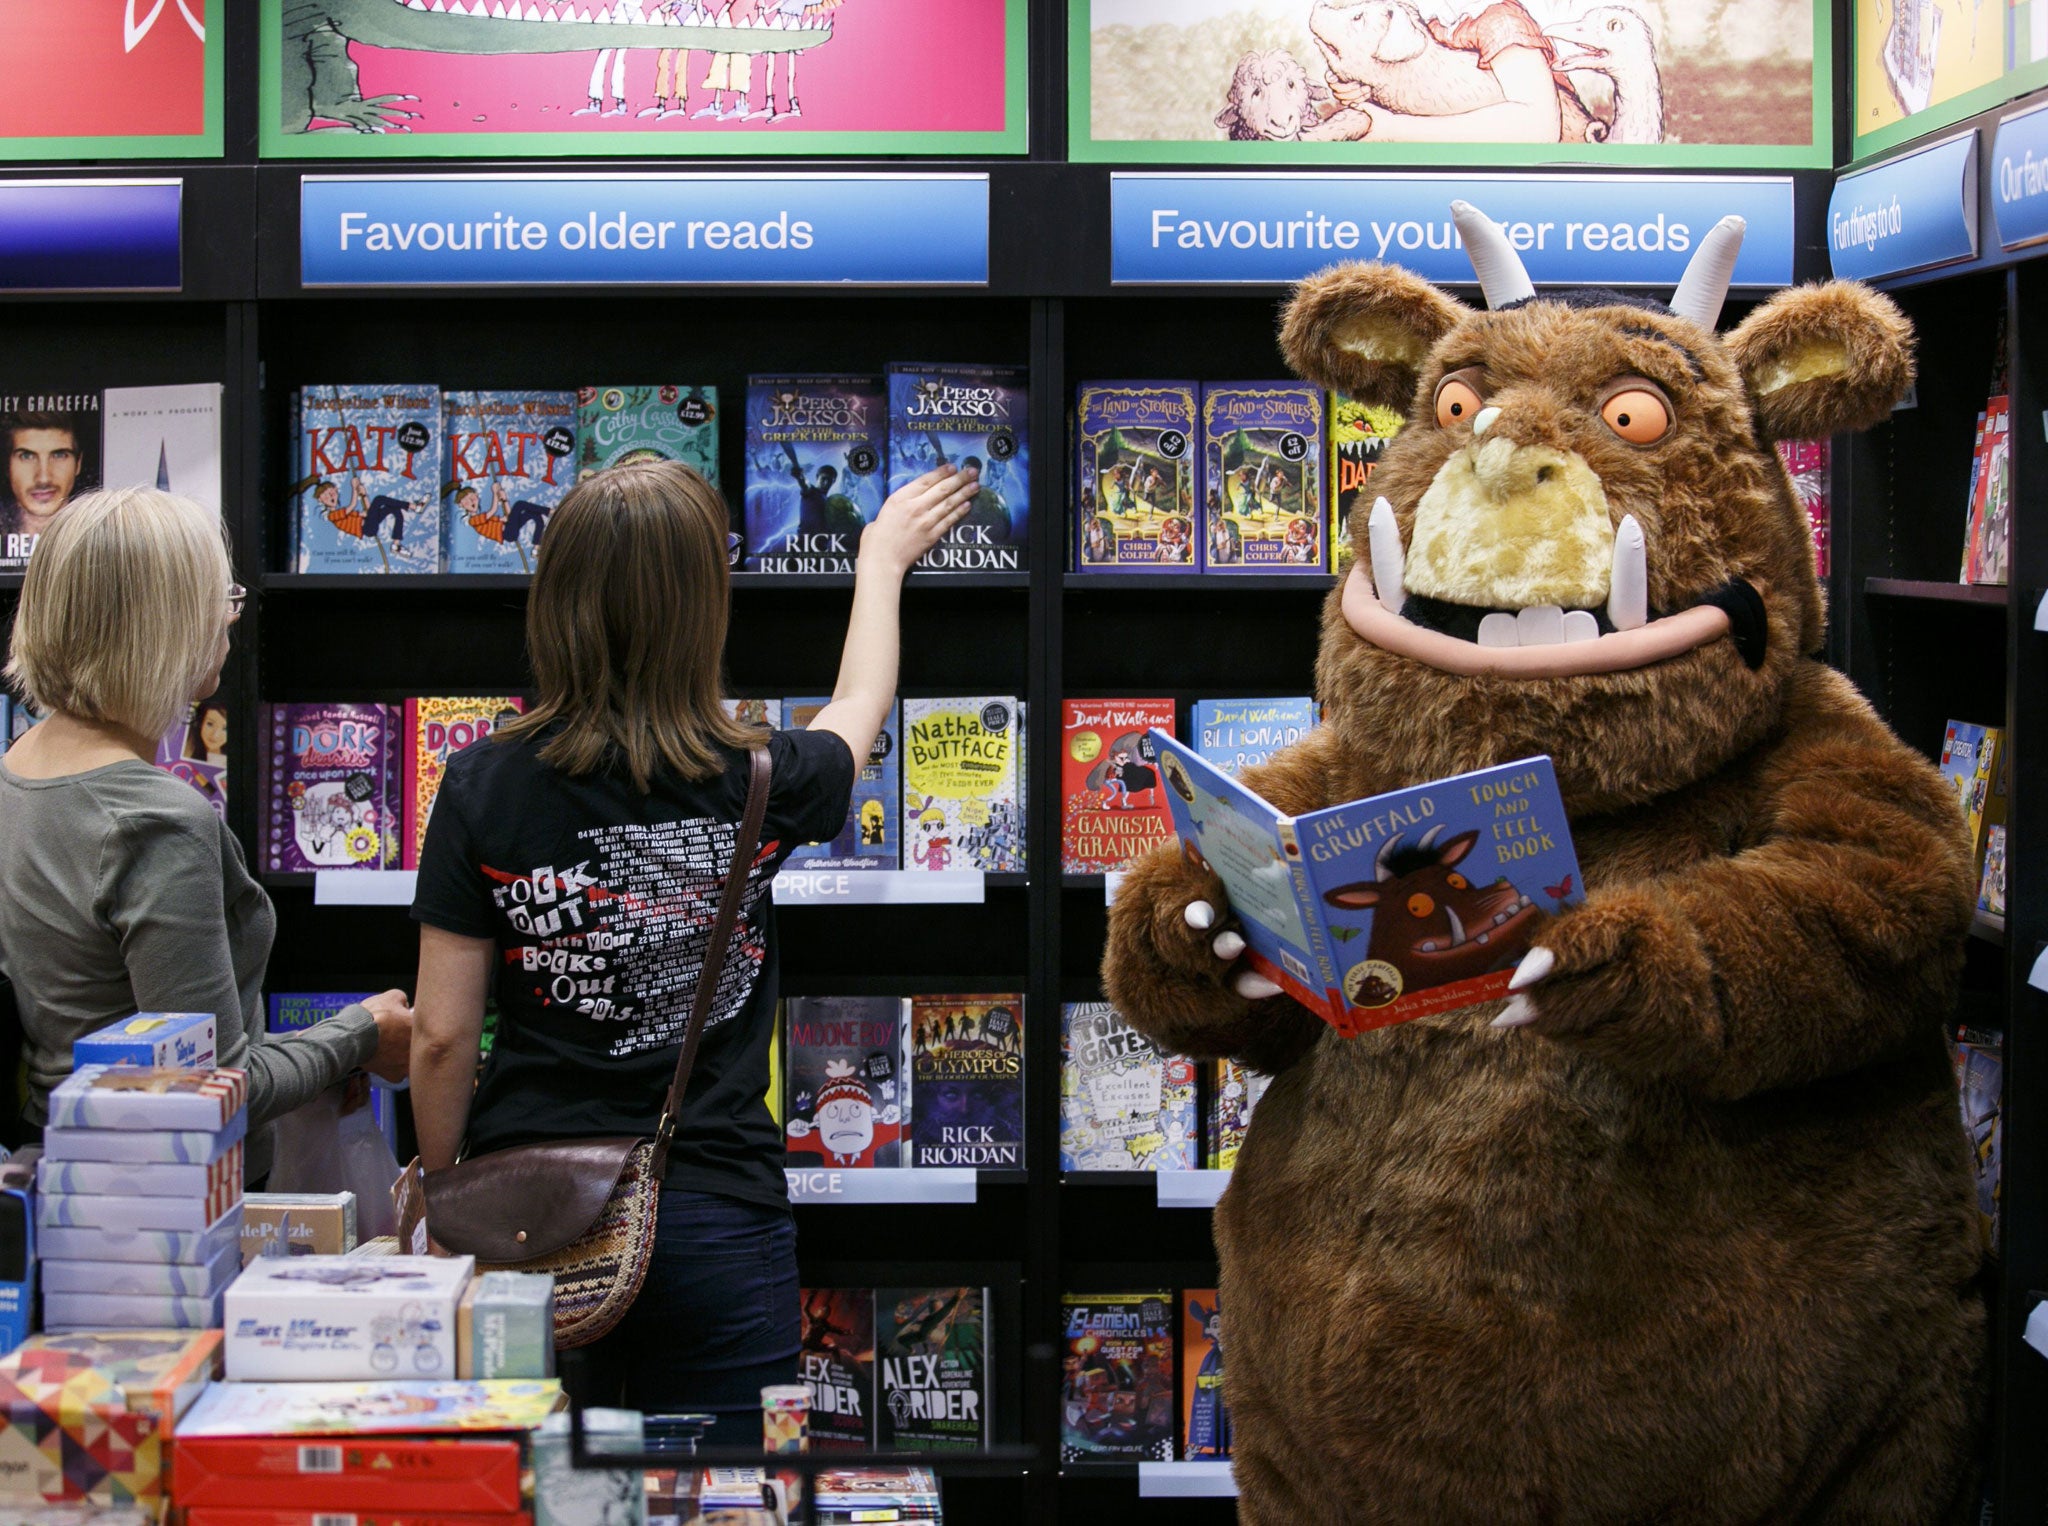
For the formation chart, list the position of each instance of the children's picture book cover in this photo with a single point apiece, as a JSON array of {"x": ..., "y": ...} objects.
[
  {"x": 332, "y": 787},
  {"x": 967, "y": 1071},
  {"x": 1233, "y": 734},
  {"x": 872, "y": 834},
  {"x": 1979, "y": 1058},
  {"x": 510, "y": 459},
  {"x": 1135, "y": 465},
  {"x": 1968, "y": 753},
  {"x": 847, "y": 1068},
  {"x": 1990, "y": 510},
  {"x": 167, "y": 438},
  {"x": 1117, "y": 1395},
  {"x": 1234, "y": 1093},
  {"x": 369, "y": 462},
  {"x": 1204, "y": 1416},
  {"x": 1358, "y": 434},
  {"x": 1124, "y": 1106},
  {"x": 52, "y": 442},
  {"x": 1377, "y": 911},
  {"x": 816, "y": 449},
  {"x": 1991, "y": 884},
  {"x": 977, "y": 418},
  {"x": 195, "y": 749},
  {"x": 934, "y": 1366},
  {"x": 962, "y": 796},
  {"x": 436, "y": 728},
  {"x": 838, "y": 1362},
  {"x": 1111, "y": 804},
  {"x": 1262, "y": 479}
]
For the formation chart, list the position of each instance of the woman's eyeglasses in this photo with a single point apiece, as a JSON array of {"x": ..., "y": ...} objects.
[{"x": 237, "y": 597}]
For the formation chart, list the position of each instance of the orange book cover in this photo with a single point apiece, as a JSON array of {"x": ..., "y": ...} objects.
[
  {"x": 1204, "y": 1418},
  {"x": 435, "y": 730}
]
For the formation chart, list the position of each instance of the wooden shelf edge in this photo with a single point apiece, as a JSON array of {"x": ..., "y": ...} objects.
[{"x": 1989, "y": 595}]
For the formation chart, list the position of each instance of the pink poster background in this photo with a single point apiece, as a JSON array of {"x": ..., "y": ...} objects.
[{"x": 890, "y": 66}]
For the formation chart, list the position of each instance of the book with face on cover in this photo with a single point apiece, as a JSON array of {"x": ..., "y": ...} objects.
[
  {"x": 848, "y": 1079},
  {"x": 1112, "y": 807},
  {"x": 963, "y": 805},
  {"x": 1124, "y": 1106},
  {"x": 51, "y": 442}
]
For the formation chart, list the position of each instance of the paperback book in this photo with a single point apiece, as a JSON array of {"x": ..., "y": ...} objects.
[
  {"x": 962, "y": 800},
  {"x": 1979, "y": 1059},
  {"x": 1205, "y": 1417},
  {"x": 838, "y": 1362},
  {"x": 195, "y": 749},
  {"x": 1969, "y": 761},
  {"x": 933, "y": 1361},
  {"x": 52, "y": 442},
  {"x": 1233, "y": 734},
  {"x": 435, "y": 730},
  {"x": 1117, "y": 1394},
  {"x": 1378, "y": 911},
  {"x": 1358, "y": 434},
  {"x": 511, "y": 458},
  {"x": 1135, "y": 465},
  {"x": 167, "y": 438},
  {"x": 1262, "y": 480},
  {"x": 1990, "y": 511},
  {"x": 816, "y": 448},
  {"x": 332, "y": 787},
  {"x": 1112, "y": 807},
  {"x": 1806, "y": 462},
  {"x": 848, "y": 1080},
  {"x": 369, "y": 460},
  {"x": 755, "y": 712},
  {"x": 871, "y": 835},
  {"x": 975, "y": 417},
  {"x": 1234, "y": 1093},
  {"x": 654, "y": 422},
  {"x": 1124, "y": 1106},
  {"x": 967, "y": 1073}
]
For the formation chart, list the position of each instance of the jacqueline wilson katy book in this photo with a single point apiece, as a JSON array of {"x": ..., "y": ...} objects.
[{"x": 1387, "y": 909}]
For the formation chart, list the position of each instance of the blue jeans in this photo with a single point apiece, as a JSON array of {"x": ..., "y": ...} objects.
[{"x": 716, "y": 1322}]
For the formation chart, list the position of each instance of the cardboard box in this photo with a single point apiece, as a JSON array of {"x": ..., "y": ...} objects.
[
  {"x": 145, "y": 1245},
  {"x": 309, "y": 1223},
  {"x": 68, "y": 1434},
  {"x": 217, "y": 1182},
  {"x": 187, "y": 1215},
  {"x": 17, "y": 1247},
  {"x": 354, "y": 1473},
  {"x": 112, "y": 1311},
  {"x": 505, "y": 1326},
  {"x": 398, "y": 1407},
  {"x": 159, "y": 1372},
  {"x": 143, "y": 1279},
  {"x": 300, "y": 1318},
  {"x": 131, "y": 1097},
  {"x": 144, "y": 1146},
  {"x": 153, "y": 1040}
]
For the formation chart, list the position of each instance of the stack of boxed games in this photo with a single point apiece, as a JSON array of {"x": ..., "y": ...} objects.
[
  {"x": 345, "y": 1318},
  {"x": 140, "y": 1208},
  {"x": 298, "y": 1224}
]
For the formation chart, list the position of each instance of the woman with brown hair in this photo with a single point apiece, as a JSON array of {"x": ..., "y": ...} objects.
[{"x": 575, "y": 863}]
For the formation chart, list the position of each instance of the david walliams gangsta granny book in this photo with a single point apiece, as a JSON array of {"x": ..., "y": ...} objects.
[
  {"x": 1112, "y": 806},
  {"x": 1391, "y": 908}
]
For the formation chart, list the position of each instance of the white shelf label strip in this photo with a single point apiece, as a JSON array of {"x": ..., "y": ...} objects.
[
  {"x": 1191, "y": 1189},
  {"x": 823, "y": 1184},
  {"x": 364, "y": 887},
  {"x": 1185, "y": 1480},
  {"x": 883, "y": 887}
]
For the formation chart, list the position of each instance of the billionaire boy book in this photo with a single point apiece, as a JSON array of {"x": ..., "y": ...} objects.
[
  {"x": 962, "y": 784},
  {"x": 508, "y": 459},
  {"x": 1112, "y": 807},
  {"x": 331, "y": 787},
  {"x": 1124, "y": 1106},
  {"x": 967, "y": 1071},
  {"x": 1233, "y": 734},
  {"x": 969, "y": 416},
  {"x": 1136, "y": 460},
  {"x": 369, "y": 469},
  {"x": 816, "y": 453},
  {"x": 932, "y": 1369},
  {"x": 1381, "y": 910},
  {"x": 1262, "y": 478},
  {"x": 847, "y": 1080},
  {"x": 1117, "y": 1395},
  {"x": 871, "y": 835}
]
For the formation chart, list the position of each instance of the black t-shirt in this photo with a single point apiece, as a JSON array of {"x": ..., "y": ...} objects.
[{"x": 601, "y": 901}]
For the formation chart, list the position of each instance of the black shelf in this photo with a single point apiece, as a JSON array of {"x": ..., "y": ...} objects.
[
  {"x": 1990, "y": 595},
  {"x": 1207, "y": 582},
  {"x": 1099, "y": 1470},
  {"x": 1989, "y": 926},
  {"x": 519, "y": 582}
]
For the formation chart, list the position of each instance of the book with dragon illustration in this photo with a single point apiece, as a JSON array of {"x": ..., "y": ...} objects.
[
  {"x": 368, "y": 490},
  {"x": 838, "y": 1364},
  {"x": 1117, "y": 1395},
  {"x": 973, "y": 417},
  {"x": 967, "y": 1070},
  {"x": 1358, "y": 433},
  {"x": 847, "y": 1075},
  {"x": 331, "y": 787},
  {"x": 1234, "y": 734},
  {"x": 1382, "y": 910},
  {"x": 1112, "y": 807},
  {"x": 962, "y": 789},
  {"x": 1262, "y": 478},
  {"x": 1124, "y": 1106},
  {"x": 932, "y": 1369},
  {"x": 1135, "y": 465},
  {"x": 816, "y": 451},
  {"x": 509, "y": 458},
  {"x": 436, "y": 728},
  {"x": 871, "y": 836}
]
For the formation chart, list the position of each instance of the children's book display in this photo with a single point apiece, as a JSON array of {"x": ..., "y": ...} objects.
[
  {"x": 976, "y": 418},
  {"x": 847, "y": 1073},
  {"x": 1112, "y": 805},
  {"x": 435, "y": 730},
  {"x": 967, "y": 1081},
  {"x": 816, "y": 451},
  {"x": 1988, "y": 534},
  {"x": 1124, "y": 1106},
  {"x": 963, "y": 784},
  {"x": 1137, "y": 470},
  {"x": 1262, "y": 480},
  {"x": 1807, "y": 463},
  {"x": 872, "y": 835},
  {"x": 932, "y": 1350},
  {"x": 195, "y": 749},
  {"x": 838, "y": 1363},
  {"x": 1233, "y": 734},
  {"x": 366, "y": 488},
  {"x": 1978, "y": 764},
  {"x": 333, "y": 792},
  {"x": 1979, "y": 1059},
  {"x": 1117, "y": 1390}
]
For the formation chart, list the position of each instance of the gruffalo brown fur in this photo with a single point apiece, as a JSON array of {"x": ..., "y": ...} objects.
[{"x": 1683, "y": 1233}]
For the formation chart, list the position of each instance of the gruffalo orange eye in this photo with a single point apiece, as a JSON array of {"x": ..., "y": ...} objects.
[
  {"x": 1456, "y": 402},
  {"x": 1456, "y": 882},
  {"x": 1420, "y": 906},
  {"x": 1638, "y": 415}
]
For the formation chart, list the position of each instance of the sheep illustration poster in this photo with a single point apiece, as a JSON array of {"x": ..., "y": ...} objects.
[
  {"x": 111, "y": 79},
  {"x": 420, "y": 78},
  {"x": 1628, "y": 82}
]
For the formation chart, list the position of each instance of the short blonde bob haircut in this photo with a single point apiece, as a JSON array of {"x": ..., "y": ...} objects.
[{"x": 122, "y": 607}]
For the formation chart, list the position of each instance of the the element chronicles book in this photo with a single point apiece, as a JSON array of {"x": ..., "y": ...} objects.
[
  {"x": 331, "y": 787},
  {"x": 838, "y": 1364},
  {"x": 1136, "y": 462},
  {"x": 968, "y": 416},
  {"x": 816, "y": 450},
  {"x": 437, "y": 728},
  {"x": 1112, "y": 806},
  {"x": 848, "y": 1080},
  {"x": 1124, "y": 1106},
  {"x": 1117, "y": 1396},
  {"x": 369, "y": 469},
  {"x": 962, "y": 804},
  {"x": 1262, "y": 480},
  {"x": 933, "y": 1346},
  {"x": 510, "y": 459},
  {"x": 871, "y": 836},
  {"x": 967, "y": 1072}
]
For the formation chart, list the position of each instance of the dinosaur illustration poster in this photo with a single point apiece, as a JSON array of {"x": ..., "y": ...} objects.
[
  {"x": 132, "y": 79},
  {"x": 1635, "y": 82},
  {"x": 398, "y": 78}
]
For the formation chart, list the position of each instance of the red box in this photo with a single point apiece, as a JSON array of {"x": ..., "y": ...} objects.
[
  {"x": 226, "y": 1517},
  {"x": 377, "y": 1474}
]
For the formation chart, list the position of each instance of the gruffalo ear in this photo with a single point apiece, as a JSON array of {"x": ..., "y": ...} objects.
[
  {"x": 1364, "y": 330},
  {"x": 1825, "y": 358}
]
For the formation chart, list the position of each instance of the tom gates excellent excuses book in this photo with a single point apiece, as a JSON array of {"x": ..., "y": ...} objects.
[{"x": 1387, "y": 909}]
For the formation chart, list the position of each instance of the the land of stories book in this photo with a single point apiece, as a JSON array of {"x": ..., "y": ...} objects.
[
  {"x": 816, "y": 451},
  {"x": 1136, "y": 459},
  {"x": 968, "y": 416},
  {"x": 1382, "y": 910}
]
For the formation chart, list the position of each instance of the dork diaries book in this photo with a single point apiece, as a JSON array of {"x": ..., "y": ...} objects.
[
  {"x": 816, "y": 449},
  {"x": 510, "y": 459},
  {"x": 1262, "y": 480},
  {"x": 967, "y": 1071},
  {"x": 436, "y": 728},
  {"x": 1116, "y": 1382},
  {"x": 367, "y": 490},
  {"x": 1112, "y": 807},
  {"x": 331, "y": 787},
  {"x": 933, "y": 1346},
  {"x": 1381, "y": 910},
  {"x": 848, "y": 1078},
  {"x": 976, "y": 417},
  {"x": 1135, "y": 465}
]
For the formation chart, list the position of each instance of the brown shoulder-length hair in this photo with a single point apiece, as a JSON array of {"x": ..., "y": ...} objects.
[{"x": 625, "y": 626}]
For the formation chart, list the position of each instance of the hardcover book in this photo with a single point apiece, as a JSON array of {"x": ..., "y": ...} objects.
[
  {"x": 369, "y": 459},
  {"x": 975, "y": 417},
  {"x": 52, "y": 446},
  {"x": 871, "y": 836},
  {"x": 1233, "y": 1094},
  {"x": 1124, "y": 1106},
  {"x": 167, "y": 438},
  {"x": 1205, "y": 1417},
  {"x": 510, "y": 458},
  {"x": 1135, "y": 465},
  {"x": 838, "y": 1362},
  {"x": 1112, "y": 807},
  {"x": 962, "y": 801},
  {"x": 332, "y": 787},
  {"x": 1117, "y": 1395},
  {"x": 195, "y": 749},
  {"x": 848, "y": 1080},
  {"x": 967, "y": 1073},
  {"x": 933, "y": 1368},
  {"x": 1233, "y": 734},
  {"x": 1378, "y": 911},
  {"x": 1262, "y": 480},
  {"x": 1358, "y": 434},
  {"x": 435, "y": 730},
  {"x": 816, "y": 449}
]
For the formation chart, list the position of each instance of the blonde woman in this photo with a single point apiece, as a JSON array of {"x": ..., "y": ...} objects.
[{"x": 120, "y": 890}]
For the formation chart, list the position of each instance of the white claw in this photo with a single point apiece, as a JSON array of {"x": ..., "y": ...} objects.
[
  {"x": 1579, "y": 625},
  {"x": 1199, "y": 915},
  {"x": 1228, "y": 945},
  {"x": 1255, "y": 987},
  {"x": 1516, "y": 1013},
  {"x": 1499, "y": 629},
  {"x": 1536, "y": 964},
  {"x": 1483, "y": 420},
  {"x": 1628, "y": 588},
  {"x": 498, "y": 10},
  {"x": 1388, "y": 559}
]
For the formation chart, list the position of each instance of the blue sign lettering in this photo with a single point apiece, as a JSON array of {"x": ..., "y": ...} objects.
[
  {"x": 1907, "y": 213},
  {"x": 2019, "y": 178},
  {"x": 1580, "y": 230},
  {"x": 90, "y": 235},
  {"x": 596, "y": 230}
]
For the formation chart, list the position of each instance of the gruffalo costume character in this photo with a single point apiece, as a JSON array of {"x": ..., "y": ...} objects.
[{"x": 1682, "y": 1231}]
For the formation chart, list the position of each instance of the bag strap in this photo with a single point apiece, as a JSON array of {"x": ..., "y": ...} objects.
[{"x": 714, "y": 956}]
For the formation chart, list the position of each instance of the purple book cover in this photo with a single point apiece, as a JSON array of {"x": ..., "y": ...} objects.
[{"x": 332, "y": 787}]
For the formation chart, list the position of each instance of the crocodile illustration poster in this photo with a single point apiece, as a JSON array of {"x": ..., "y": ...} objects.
[
  {"x": 406, "y": 78},
  {"x": 112, "y": 79},
  {"x": 1669, "y": 83}
]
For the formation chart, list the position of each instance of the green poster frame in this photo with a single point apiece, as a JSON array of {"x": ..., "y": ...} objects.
[
  {"x": 208, "y": 143},
  {"x": 1986, "y": 97},
  {"x": 1084, "y": 147},
  {"x": 646, "y": 143}
]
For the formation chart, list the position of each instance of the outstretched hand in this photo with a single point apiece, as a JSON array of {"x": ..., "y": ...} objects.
[{"x": 916, "y": 516}]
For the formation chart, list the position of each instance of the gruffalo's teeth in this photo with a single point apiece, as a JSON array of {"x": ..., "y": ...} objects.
[
  {"x": 1388, "y": 558},
  {"x": 1628, "y": 587}
]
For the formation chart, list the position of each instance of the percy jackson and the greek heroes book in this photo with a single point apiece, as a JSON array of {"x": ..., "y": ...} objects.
[
  {"x": 510, "y": 458},
  {"x": 1262, "y": 477},
  {"x": 870, "y": 837},
  {"x": 816, "y": 446},
  {"x": 1136, "y": 458},
  {"x": 369, "y": 469},
  {"x": 1382, "y": 910},
  {"x": 968, "y": 416},
  {"x": 967, "y": 1069},
  {"x": 1112, "y": 807}
]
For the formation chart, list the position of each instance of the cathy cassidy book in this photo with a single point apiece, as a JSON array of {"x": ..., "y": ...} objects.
[
  {"x": 974, "y": 417},
  {"x": 816, "y": 449},
  {"x": 1382, "y": 910},
  {"x": 368, "y": 489}
]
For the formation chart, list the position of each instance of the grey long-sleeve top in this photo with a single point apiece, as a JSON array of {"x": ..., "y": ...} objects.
[{"x": 122, "y": 892}]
